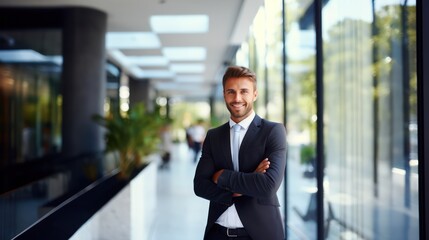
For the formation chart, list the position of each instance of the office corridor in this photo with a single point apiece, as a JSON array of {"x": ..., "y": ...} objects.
[{"x": 180, "y": 214}]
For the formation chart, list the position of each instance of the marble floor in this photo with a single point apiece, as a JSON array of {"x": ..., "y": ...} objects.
[{"x": 180, "y": 213}]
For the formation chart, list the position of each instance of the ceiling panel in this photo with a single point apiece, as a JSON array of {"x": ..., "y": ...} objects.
[{"x": 228, "y": 23}]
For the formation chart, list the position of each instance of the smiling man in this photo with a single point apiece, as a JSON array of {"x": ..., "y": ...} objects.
[{"x": 242, "y": 166}]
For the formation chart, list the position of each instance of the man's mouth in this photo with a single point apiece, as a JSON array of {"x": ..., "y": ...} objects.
[{"x": 237, "y": 105}]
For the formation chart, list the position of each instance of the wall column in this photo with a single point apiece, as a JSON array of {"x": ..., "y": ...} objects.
[
  {"x": 140, "y": 92},
  {"x": 83, "y": 80}
]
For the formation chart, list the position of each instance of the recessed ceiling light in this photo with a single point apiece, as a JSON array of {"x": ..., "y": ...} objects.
[
  {"x": 189, "y": 78},
  {"x": 21, "y": 55},
  {"x": 140, "y": 73},
  {"x": 56, "y": 59},
  {"x": 28, "y": 56},
  {"x": 158, "y": 74},
  {"x": 180, "y": 86},
  {"x": 118, "y": 57},
  {"x": 185, "y": 53},
  {"x": 187, "y": 67},
  {"x": 132, "y": 40},
  {"x": 179, "y": 23},
  {"x": 148, "y": 60}
]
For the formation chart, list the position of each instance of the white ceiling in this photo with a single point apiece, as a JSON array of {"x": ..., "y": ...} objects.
[{"x": 229, "y": 22}]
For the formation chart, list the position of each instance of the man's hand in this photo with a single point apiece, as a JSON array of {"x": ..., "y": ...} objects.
[
  {"x": 216, "y": 175},
  {"x": 263, "y": 166}
]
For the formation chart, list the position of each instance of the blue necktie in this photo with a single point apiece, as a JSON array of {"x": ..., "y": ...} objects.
[{"x": 235, "y": 146}]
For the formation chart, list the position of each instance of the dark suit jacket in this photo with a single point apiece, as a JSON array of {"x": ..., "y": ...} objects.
[{"x": 258, "y": 208}]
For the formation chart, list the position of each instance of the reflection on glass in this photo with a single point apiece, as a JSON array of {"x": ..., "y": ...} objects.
[
  {"x": 31, "y": 111},
  {"x": 30, "y": 117},
  {"x": 300, "y": 46},
  {"x": 370, "y": 114}
]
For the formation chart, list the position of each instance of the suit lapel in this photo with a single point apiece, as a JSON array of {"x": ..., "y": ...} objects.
[
  {"x": 251, "y": 133},
  {"x": 225, "y": 145}
]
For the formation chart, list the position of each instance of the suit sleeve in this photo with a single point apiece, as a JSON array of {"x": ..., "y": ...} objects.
[
  {"x": 203, "y": 184},
  {"x": 261, "y": 185}
]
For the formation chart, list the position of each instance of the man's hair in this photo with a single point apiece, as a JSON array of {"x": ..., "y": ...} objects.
[{"x": 238, "y": 72}]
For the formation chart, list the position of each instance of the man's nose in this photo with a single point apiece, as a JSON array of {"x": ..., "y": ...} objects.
[{"x": 237, "y": 97}]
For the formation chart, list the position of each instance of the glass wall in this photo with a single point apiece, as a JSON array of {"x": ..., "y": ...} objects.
[
  {"x": 371, "y": 181},
  {"x": 30, "y": 125},
  {"x": 300, "y": 44},
  {"x": 30, "y": 95}
]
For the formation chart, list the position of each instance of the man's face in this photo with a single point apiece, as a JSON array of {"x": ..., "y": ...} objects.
[{"x": 239, "y": 95}]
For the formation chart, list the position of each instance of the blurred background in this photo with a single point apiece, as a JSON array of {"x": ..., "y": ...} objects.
[{"x": 90, "y": 88}]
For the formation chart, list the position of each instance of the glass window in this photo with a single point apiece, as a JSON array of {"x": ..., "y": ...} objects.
[
  {"x": 370, "y": 120},
  {"x": 30, "y": 119},
  {"x": 301, "y": 119},
  {"x": 30, "y": 73}
]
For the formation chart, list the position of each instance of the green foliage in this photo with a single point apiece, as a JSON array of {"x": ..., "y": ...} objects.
[
  {"x": 306, "y": 154},
  {"x": 133, "y": 136}
]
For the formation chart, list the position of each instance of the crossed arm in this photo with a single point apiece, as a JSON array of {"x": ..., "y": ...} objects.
[
  {"x": 220, "y": 185},
  {"x": 262, "y": 168}
]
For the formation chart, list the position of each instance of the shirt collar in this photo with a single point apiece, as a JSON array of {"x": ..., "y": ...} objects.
[{"x": 245, "y": 123}]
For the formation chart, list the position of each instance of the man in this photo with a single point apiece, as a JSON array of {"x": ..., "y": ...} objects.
[
  {"x": 197, "y": 133},
  {"x": 243, "y": 202}
]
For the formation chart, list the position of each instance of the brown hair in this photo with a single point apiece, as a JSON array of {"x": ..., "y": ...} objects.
[{"x": 238, "y": 72}]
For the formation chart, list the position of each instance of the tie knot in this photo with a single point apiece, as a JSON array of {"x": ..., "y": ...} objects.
[{"x": 236, "y": 127}]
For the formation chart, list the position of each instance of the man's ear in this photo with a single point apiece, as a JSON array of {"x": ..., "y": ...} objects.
[{"x": 256, "y": 95}]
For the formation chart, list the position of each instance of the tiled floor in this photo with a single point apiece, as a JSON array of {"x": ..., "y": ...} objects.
[{"x": 180, "y": 213}]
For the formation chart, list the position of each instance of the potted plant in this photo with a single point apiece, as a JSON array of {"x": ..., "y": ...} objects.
[{"x": 132, "y": 136}]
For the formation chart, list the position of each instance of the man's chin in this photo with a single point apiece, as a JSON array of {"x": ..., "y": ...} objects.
[{"x": 238, "y": 115}]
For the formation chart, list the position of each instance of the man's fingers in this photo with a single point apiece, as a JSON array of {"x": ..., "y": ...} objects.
[
  {"x": 216, "y": 175},
  {"x": 263, "y": 166}
]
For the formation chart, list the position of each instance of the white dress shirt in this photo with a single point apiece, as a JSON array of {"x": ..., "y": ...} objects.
[{"x": 230, "y": 217}]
